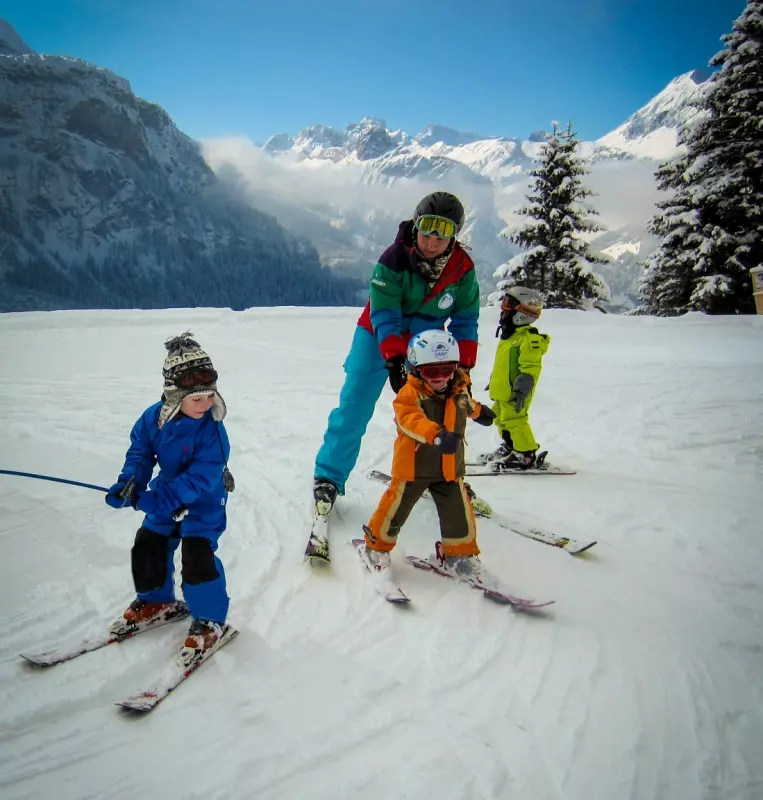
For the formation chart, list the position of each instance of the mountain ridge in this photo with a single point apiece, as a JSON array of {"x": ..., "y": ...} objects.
[{"x": 105, "y": 203}]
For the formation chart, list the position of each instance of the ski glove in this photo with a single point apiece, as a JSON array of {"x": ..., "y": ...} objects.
[
  {"x": 397, "y": 372},
  {"x": 486, "y": 416},
  {"x": 521, "y": 391},
  {"x": 447, "y": 441},
  {"x": 121, "y": 494}
]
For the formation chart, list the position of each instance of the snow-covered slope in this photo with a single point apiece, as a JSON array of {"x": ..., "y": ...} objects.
[{"x": 644, "y": 681}]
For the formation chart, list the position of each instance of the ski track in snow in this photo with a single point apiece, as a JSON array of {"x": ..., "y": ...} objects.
[{"x": 643, "y": 682}]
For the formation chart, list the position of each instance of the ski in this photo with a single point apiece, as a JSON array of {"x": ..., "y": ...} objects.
[
  {"x": 317, "y": 550},
  {"x": 149, "y": 699},
  {"x": 484, "y": 467},
  {"x": 571, "y": 546},
  {"x": 483, "y": 509},
  {"x": 382, "y": 578},
  {"x": 58, "y": 655},
  {"x": 495, "y": 592},
  {"x": 484, "y": 471}
]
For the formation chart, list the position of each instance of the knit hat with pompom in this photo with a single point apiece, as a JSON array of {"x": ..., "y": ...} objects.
[{"x": 187, "y": 371}]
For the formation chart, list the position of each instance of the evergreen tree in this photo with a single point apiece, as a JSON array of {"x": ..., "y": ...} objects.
[
  {"x": 556, "y": 261},
  {"x": 712, "y": 225}
]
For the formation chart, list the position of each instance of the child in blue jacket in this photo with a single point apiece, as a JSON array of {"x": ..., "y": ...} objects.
[{"x": 184, "y": 435}]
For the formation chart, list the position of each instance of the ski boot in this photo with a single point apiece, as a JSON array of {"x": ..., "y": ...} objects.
[
  {"x": 462, "y": 568},
  {"x": 501, "y": 452},
  {"x": 520, "y": 460},
  {"x": 378, "y": 559},
  {"x": 468, "y": 569},
  {"x": 324, "y": 494},
  {"x": 202, "y": 635},
  {"x": 141, "y": 614}
]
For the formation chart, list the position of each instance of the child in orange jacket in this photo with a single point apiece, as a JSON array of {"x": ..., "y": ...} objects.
[{"x": 431, "y": 412}]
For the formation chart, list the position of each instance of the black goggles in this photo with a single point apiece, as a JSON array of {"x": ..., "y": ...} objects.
[{"x": 198, "y": 377}]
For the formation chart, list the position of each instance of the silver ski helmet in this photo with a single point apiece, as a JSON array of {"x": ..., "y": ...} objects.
[
  {"x": 433, "y": 356},
  {"x": 432, "y": 347},
  {"x": 520, "y": 305}
]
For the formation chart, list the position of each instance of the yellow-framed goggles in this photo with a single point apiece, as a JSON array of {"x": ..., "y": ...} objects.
[{"x": 433, "y": 225}]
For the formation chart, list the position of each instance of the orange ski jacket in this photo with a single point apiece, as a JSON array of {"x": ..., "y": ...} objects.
[{"x": 420, "y": 414}]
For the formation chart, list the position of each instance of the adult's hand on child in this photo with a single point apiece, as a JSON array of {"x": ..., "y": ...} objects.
[
  {"x": 521, "y": 390},
  {"x": 397, "y": 373},
  {"x": 486, "y": 416},
  {"x": 447, "y": 441}
]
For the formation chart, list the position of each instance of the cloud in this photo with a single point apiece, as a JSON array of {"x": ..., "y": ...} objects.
[
  {"x": 626, "y": 192},
  {"x": 312, "y": 183}
]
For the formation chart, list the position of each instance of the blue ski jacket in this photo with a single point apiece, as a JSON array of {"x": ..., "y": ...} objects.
[{"x": 191, "y": 454}]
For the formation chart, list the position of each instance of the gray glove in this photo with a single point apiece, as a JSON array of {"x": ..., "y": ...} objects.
[{"x": 521, "y": 391}]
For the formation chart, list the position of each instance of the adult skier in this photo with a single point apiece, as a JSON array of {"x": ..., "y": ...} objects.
[{"x": 424, "y": 280}]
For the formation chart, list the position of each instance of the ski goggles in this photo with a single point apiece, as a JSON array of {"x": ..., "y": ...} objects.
[
  {"x": 435, "y": 371},
  {"x": 199, "y": 377},
  {"x": 531, "y": 309},
  {"x": 432, "y": 225}
]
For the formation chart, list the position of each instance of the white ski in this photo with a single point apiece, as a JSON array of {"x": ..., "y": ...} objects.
[
  {"x": 317, "y": 550},
  {"x": 492, "y": 590},
  {"x": 382, "y": 578},
  {"x": 150, "y": 698},
  {"x": 61, "y": 653}
]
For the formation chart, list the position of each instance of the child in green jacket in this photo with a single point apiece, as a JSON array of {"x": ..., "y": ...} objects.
[{"x": 516, "y": 369}]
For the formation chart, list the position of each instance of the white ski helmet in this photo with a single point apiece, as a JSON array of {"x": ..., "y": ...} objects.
[
  {"x": 432, "y": 347},
  {"x": 521, "y": 305}
]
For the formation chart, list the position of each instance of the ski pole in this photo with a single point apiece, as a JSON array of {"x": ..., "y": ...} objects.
[
  {"x": 126, "y": 493},
  {"x": 51, "y": 478}
]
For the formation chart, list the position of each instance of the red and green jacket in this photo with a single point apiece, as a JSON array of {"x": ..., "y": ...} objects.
[{"x": 401, "y": 303}]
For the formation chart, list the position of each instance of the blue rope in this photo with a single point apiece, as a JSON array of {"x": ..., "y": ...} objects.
[{"x": 51, "y": 478}]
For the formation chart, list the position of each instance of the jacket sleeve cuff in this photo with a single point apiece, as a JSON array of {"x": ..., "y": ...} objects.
[
  {"x": 392, "y": 346},
  {"x": 467, "y": 349}
]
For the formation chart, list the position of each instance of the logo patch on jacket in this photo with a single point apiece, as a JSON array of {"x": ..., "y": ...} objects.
[{"x": 446, "y": 301}]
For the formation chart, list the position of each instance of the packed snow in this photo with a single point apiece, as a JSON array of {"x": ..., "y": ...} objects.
[{"x": 643, "y": 681}]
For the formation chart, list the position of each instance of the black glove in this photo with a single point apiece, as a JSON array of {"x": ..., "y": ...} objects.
[
  {"x": 447, "y": 441},
  {"x": 397, "y": 372},
  {"x": 486, "y": 416},
  {"x": 522, "y": 389}
]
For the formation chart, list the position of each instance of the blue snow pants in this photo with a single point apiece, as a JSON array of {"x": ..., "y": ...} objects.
[
  {"x": 365, "y": 376},
  {"x": 204, "y": 586}
]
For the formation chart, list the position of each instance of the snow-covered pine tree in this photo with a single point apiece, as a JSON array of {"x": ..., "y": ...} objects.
[
  {"x": 712, "y": 225},
  {"x": 556, "y": 261}
]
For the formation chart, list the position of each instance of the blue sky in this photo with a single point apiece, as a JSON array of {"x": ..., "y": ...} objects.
[{"x": 496, "y": 67}]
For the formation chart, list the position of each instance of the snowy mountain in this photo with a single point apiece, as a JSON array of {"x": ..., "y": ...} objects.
[
  {"x": 644, "y": 681},
  {"x": 652, "y": 132},
  {"x": 366, "y": 177},
  {"x": 105, "y": 203}
]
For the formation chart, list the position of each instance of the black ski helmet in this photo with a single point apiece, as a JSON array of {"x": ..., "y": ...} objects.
[{"x": 442, "y": 204}]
